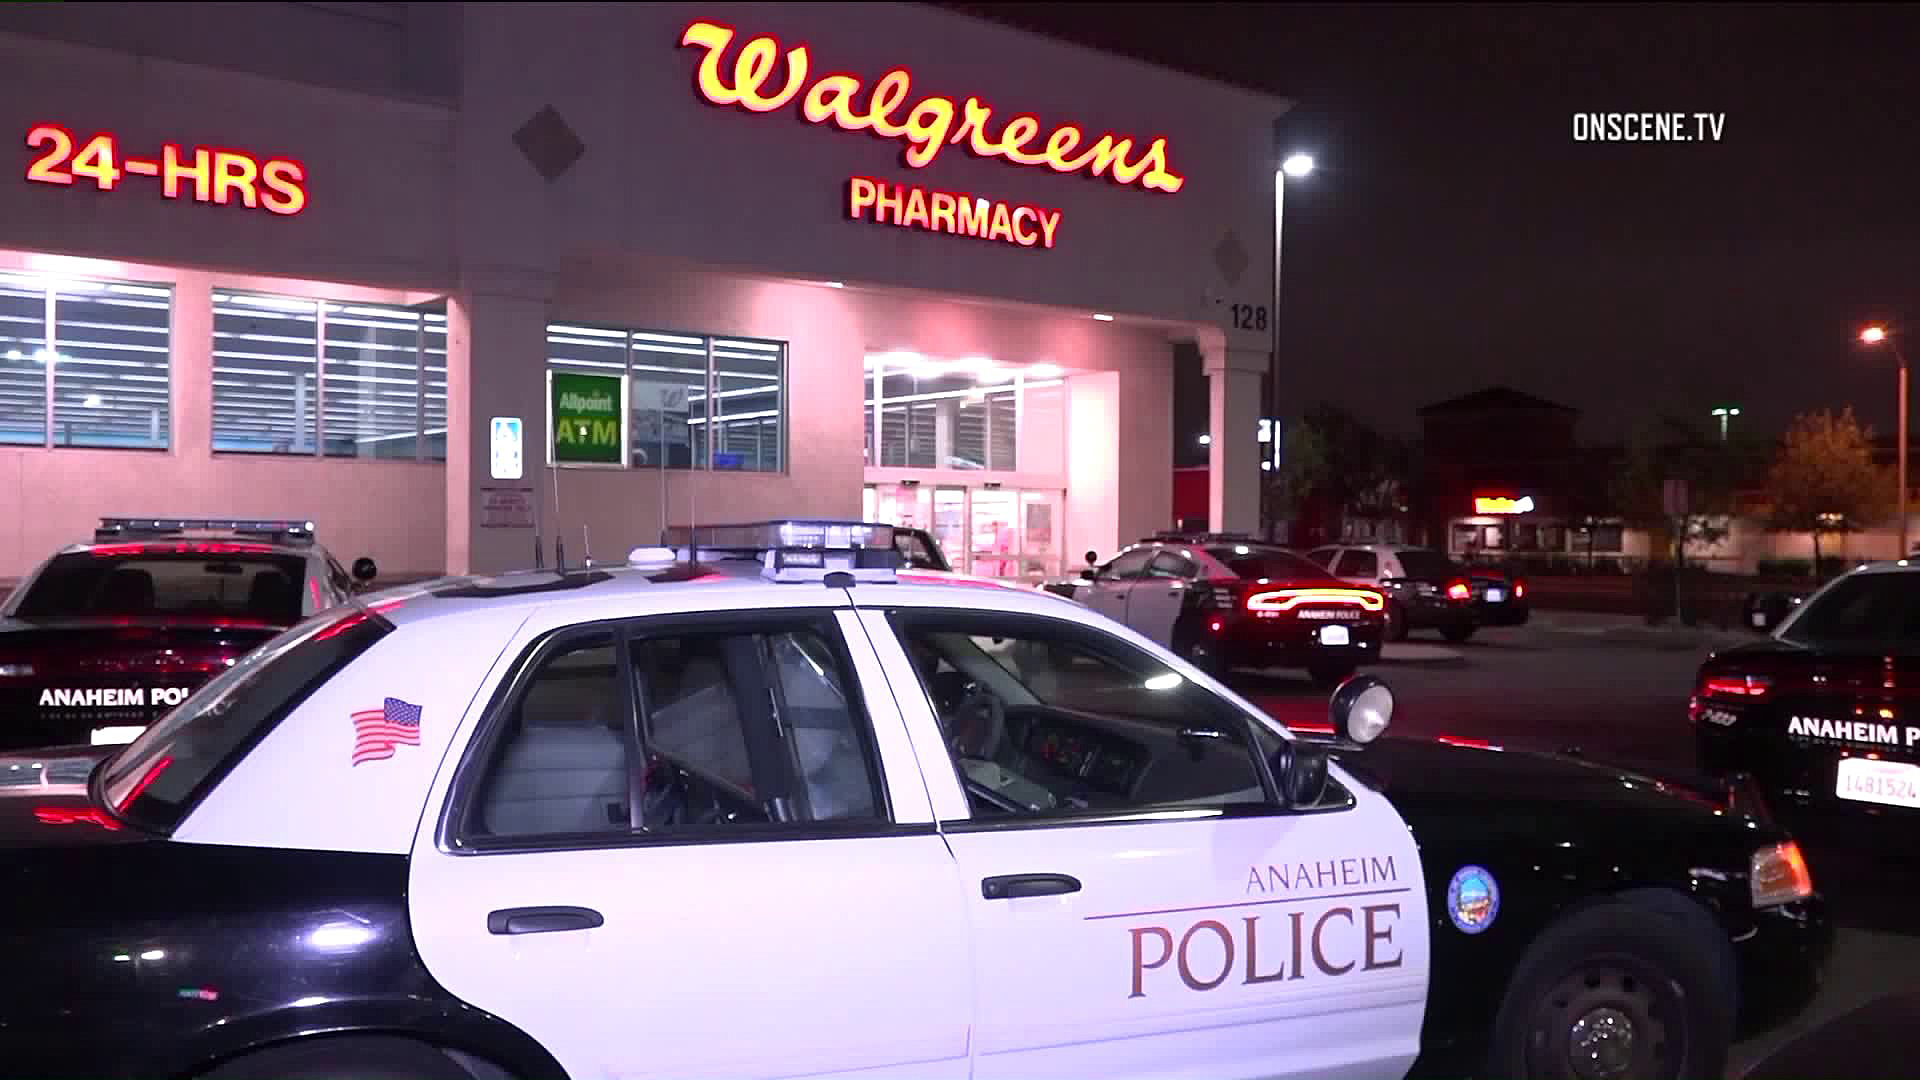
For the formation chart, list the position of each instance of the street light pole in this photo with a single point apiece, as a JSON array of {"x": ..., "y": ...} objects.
[
  {"x": 1296, "y": 165},
  {"x": 1875, "y": 335}
]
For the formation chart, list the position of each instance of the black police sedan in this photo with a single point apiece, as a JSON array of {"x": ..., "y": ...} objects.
[{"x": 1825, "y": 712}]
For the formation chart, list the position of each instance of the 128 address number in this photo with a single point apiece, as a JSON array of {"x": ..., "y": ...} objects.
[{"x": 1249, "y": 316}]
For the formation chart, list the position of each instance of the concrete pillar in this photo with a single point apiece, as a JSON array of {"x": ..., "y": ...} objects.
[
  {"x": 1233, "y": 422},
  {"x": 496, "y": 366},
  {"x": 191, "y": 382}
]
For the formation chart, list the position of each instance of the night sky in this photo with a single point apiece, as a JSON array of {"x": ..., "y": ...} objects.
[{"x": 1455, "y": 235}]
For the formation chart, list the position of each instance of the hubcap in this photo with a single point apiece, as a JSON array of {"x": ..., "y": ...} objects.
[{"x": 1600, "y": 1044}]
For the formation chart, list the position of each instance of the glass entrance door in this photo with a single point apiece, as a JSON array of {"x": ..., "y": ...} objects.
[
  {"x": 995, "y": 533},
  {"x": 1040, "y": 533},
  {"x": 950, "y": 524}
]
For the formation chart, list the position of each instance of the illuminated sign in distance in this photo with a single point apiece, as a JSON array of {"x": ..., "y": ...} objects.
[
  {"x": 1500, "y": 504},
  {"x": 204, "y": 174}
]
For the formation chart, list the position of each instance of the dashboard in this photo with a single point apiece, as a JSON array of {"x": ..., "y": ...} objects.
[{"x": 1102, "y": 763}]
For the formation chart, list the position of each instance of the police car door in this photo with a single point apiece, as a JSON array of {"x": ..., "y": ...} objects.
[
  {"x": 1107, "y": 592},
  {"x": 1159, "y": 595},
  {"x": 688, "y": 846},
  {"x": 1141, "y": 904}
]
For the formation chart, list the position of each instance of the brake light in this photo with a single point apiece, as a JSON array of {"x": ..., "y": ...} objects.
[
  {"x": 1459, "y": 591},
  {"x": 1735, "y": 686},
  {"x": 1519, "y": 589},
  {"x": 1288, "y": 599}
]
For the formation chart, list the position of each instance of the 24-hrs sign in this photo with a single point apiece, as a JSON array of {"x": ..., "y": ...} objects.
[{"x": 203, "y": 174}]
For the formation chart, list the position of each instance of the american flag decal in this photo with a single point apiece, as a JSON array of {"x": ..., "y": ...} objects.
[{"x": 377, "y": 731}]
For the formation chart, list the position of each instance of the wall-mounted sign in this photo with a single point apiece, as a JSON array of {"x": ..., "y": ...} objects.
[
  {"x": 1500, "y": 504},
  {"x": 509, "y": 448},
  {"x": 222, "y": 177},
  {"x": 950, "y": 212},
  {"x": 506, "y": 508},
  {"x": 929, "y": 125},
  {"x": 587, "y": 414}
]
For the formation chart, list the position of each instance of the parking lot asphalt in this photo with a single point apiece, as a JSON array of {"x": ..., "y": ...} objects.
[{"x": 1617, "y": 692}]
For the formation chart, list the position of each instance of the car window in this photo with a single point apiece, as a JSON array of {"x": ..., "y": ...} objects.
[
  {"x": 1255, "y": 563},
  {"x": 166, "y": 584},
  {"x": 1167, "y": 564},
  {"x": 1355, "y": 563},
  {"x": 1420, "y": 563},
  {"x": 155, "y": 780},
  {"x": 338, "y": 578},
  {"x": 915, "y": 551},
  {"x": 722, "y": 729},
  {"x": 1323, "y": 556},
  {"x": 1127, "y": 566},
  {"x": 1880, "y": 611},
  {"x": 1045, "y": 717}
]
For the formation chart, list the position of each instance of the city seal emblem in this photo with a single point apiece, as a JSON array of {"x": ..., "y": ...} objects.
[{"x": 1473, "y": 899}]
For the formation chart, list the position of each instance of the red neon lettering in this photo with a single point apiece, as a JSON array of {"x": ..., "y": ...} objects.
[
  {"x": 50, "y": 167},
  {"x": 860, "y": 195},
  {"x": 929, "y": 124},
  {"x": 171, "y": 172},
  {"x": 950, "y": 212},
  {"x": 286, "y": 193},
  {"x": 234, "y": 172}
]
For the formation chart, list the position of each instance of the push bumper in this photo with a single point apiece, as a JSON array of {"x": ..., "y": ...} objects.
[{"x": 1782, "y": 961}]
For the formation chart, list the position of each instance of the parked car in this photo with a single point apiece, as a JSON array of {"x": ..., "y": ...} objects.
[
  {"x": 1425, "y": 589},
  {"x": 582, "y": 822},
  {"x": 1821, "y": 711},
  {"x": 1499, "y": 596},
  {"x": 103, "y": 638},
  {"x": 1223, "y": 601}
]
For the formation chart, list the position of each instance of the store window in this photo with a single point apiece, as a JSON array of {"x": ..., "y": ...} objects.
[
  {"x": 91, "y": 355},
  {"x": 964, "y": 414},
  {"x": 293, "y": 375},
  {"x": 695, "y": 402}
]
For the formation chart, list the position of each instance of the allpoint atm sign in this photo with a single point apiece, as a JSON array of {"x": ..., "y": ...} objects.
[
  {"x": 587, "y": 415},
  {"x": 762, "y": 79}
]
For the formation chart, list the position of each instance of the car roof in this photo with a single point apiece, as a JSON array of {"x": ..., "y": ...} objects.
[{"x": 619, "y": 590}]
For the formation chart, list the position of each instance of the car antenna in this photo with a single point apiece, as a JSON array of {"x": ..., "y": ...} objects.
[
  {"x": 559, "y": 542},
  {"x": 586, "y": 546}
]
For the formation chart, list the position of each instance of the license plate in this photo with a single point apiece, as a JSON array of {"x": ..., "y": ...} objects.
[
  {"x": 114, "y": 736},
  {"x": 1335, "y": 635},
  {"x": 1495, "y": 596},
  {"x": 1889, "y": 783}
]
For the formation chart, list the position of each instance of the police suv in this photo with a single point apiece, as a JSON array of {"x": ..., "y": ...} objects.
[
  {"x": 755, "y": 808},
  {"x": 102, "y": 638}
]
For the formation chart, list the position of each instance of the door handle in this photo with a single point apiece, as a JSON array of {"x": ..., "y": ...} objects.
[
  {"x": 541, "y": 920},
  {"x": 1015, "y": 886}
]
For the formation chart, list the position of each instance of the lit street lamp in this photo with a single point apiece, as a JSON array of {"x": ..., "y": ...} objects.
[
  {"x": 1296, "y": 166},
  {"x": 1878, "y": 335},
  {"x": 1725, "y": 413}
]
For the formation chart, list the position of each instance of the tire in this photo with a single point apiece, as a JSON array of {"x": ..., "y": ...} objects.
[
  {"x": 1328, "y": 676},
  {"x": 1458, "y": 632},
  {"x": 351, "y": 1057},
  {"x": 1659, "y": 972},
  {"x": 1396, "y": 623},
  {"x": 1202, "y": 654}
]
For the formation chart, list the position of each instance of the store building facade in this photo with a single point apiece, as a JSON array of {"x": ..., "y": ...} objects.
[{"x": 353, "y": 263}]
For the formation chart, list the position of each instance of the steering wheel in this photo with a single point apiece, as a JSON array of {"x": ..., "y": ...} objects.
[{"x": 978, "y": 724}]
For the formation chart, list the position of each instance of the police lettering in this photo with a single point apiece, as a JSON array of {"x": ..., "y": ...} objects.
[
  {"x": 1329, "y": 943},
  {"x": 1322, "y": 874},
  {"x": 1855, "y": 731},
  {"x": 113, "y": 697}
]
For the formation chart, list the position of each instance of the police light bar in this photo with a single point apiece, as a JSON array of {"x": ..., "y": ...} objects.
[
  {"x": 111, "y": 527},
  {"x": 796, "y": 550}
]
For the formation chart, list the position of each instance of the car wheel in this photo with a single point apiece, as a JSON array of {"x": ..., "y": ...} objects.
[
  {"x": 1202, "y": 654},
  {"x": 1327, "y": 676},
  {"x": 343, "y": 1058},
  {"x": 1396, "y": 623},
  {"x": 1617, "y": 992},
  {"x": 1457, "y": 632}
]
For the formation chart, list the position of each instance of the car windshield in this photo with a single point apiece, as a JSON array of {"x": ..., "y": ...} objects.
[
  {"x": 158, "y": 777},
  {"x": 1421, "y": 563},
  {"x": 1273, "y": 563},
  {"x": 1877, "y": 611},
  {"x": 167, "y": 584}
]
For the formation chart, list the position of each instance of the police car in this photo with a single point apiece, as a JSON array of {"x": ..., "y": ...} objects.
[
  {"x": 1822, "y": 711},
  {"x": 755, "y": 808},
  {"x": 102, "y": 638}
]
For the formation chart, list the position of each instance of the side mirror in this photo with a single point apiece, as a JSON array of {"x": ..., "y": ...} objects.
[
  {"x": 1300, "y": 767},
  {"x": 364, "y": 570},
  {"x": 1087, "y": 574},
  {"x": 1361, "y": 709}
]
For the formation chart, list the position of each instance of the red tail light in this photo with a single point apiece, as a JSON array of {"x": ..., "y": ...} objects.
[
  {"x": 1288, "y": 599},
  {"x": 1459, "y": 591},
  {"x": 1735, "y": 686},
  {"x": 1519, "y": 589}
]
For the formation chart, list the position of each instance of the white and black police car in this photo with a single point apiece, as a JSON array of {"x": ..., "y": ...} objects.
[{"x": 756, "y": 808}]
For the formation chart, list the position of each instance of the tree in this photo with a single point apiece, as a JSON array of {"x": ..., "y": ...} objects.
[
  {"x": 1825, "y": 482},
  {"x": 1671, "y": 450},
  {"x": 1334, "y": 456}
]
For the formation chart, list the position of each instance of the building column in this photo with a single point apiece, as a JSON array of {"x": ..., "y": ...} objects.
[
  {"x": 190, "y": 385},
  {"x": 496, "y": 366},
  {"x": 1234, "y": 409}
]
